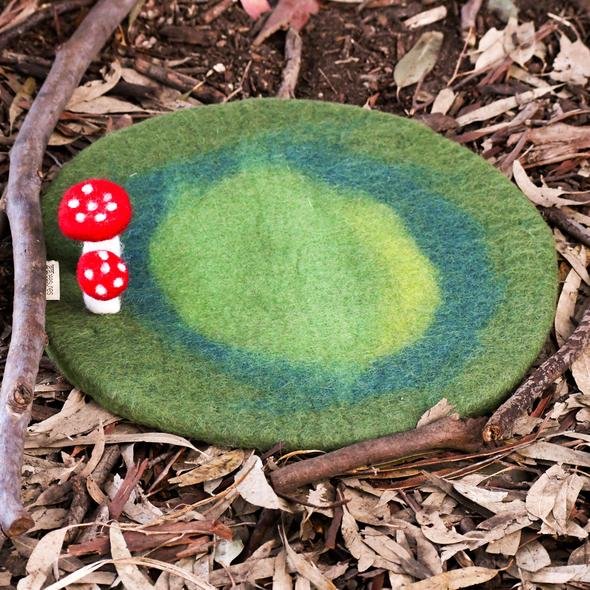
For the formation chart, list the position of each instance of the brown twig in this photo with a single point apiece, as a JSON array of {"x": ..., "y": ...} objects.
[
  {"x": 500, "y": 425},
  {"x": 178, "y": 81},
  {"x": 80, "y": 498},
  {"x": 293, "y": 47},
  {"x": 567, "y": 224},
  {"x": 134, "y": 474},
  {"x": 216, "y": 11},
  {"x": 24, "y": 214},
  {"x": 449, "y": 432},
  {"x": 176, "y": 533},
  {"x": 44, "y": 13}
]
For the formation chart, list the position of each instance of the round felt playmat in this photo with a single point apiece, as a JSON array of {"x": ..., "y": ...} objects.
[{"x": 303, "y": 272}]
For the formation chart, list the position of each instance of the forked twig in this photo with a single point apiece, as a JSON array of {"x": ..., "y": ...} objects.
[
  {"x": 24, "y": 215},
  {"x": 446, "y": 433}
]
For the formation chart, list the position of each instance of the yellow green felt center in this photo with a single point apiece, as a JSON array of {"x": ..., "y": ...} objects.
[{"x": 282, "y": 264}]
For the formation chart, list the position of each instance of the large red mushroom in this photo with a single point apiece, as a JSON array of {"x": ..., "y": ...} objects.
[
  {"x": 102, "y": 276},
  {"x": 95, "y": 211}
]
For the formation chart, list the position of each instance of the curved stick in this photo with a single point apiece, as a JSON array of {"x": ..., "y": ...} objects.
[
  {"x": 446, "y": 433},
  {"x": 501, "y": 423},
  {"x": 24, "y": 214}
]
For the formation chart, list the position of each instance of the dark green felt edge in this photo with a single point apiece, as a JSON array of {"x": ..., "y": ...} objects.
[{"x": 531, "y": 272}]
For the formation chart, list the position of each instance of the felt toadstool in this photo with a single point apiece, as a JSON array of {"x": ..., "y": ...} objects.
[
  {"x": 95, "y": 211},
  {"x": 102, "y": 276}
]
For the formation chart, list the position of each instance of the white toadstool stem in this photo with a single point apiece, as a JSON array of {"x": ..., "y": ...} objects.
[
  {"x": 113, "y": 245},
  {"x": 102, "y": 307},
  {"x": 97, "y": 305}
]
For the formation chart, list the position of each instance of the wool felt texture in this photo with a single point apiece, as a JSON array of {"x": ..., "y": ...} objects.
[{"x": 306, "y": 272}]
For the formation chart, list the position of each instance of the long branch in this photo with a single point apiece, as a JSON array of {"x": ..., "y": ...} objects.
[
  {"x": 501, "y": 423},
  {"x": 24, "y": 215},
  {"x": 446, "y": 433}
]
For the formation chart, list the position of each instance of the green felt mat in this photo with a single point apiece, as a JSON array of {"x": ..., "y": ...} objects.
[{"x": 303, "y": 272}]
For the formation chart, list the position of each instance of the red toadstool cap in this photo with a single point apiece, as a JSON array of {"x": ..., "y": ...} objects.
[
  {"x": 94, "y": 210},
  {"x": 102, "y": 275}
]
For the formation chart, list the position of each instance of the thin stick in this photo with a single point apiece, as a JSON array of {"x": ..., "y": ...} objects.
[
  {"x": 500, "y": 425},
  {"x": 293, "y": 47},
  {"x": 216, "y": 11},
  {"x": 24, "y": 214},
  {"x": 179, "y": 81},
  {"x": 567, "y": 224},
  {"x": 446, "y": 433}
]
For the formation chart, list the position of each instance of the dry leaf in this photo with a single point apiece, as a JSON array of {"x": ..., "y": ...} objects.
[
  {"x": 354, "y": 542},
  {"x": 552, "y": 499},
  {"x": 443, "y": 101},
  {"x": 115, "y": 438},
  {"x": 566, "y": 305},
  {"x": 491, "y": 49},
  {"x": 507, "y": 545},
  {"x": 572, "y": 64},
  {"x": 304, "y": 568},
  {"x": 42, "y": 560},
  {"x": 469, "y": 576},
  {"x": 561, "y": 575},
  {"x": 426, "y": 18},
  {"x": 130, "y": 574},
  {"x": 48, "y": 519},
  {"x": 499, "y": 107},
  {"x": 74, "y": 403},
  {"x": 252, "y": 485},
  {"x": 25, "y": 91},
  {"x": 532, "y": 557},
  {"x": 544, "y": 196},
  {"x": 104, "y": 105},
  {"x": 558, "y": 454},
  {"x": 393, "y": 552},
  {"x": 519, "y": 41},
  {"x": 13, "y": 16},
  {"x": 226, "y": 551},
  {"x": 147, "y": 562},
  {"x": 219, "y": 466},
  {"x": 281, "y": 580},
  {"x": 95, "y": 88},
  {"x": 419, "y": 61},
  {"x": 441, "y": 409}
]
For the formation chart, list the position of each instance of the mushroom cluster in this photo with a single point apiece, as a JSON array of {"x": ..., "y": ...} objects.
[{"x": 96, "y": 211}]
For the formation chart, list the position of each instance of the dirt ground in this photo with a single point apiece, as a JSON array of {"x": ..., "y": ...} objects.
[{"x": 400, "y": 527}]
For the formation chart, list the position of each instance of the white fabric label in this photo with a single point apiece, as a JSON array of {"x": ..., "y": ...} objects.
[{"x": 52, "y": 278}]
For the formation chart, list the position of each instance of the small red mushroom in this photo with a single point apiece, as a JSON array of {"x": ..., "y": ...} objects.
[
  {"x": 102, "y": 276},
  {"x": 95, "y": 210}
]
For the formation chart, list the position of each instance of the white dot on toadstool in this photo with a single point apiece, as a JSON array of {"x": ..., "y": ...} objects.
[
  {"x": 73, "y": 203},
  {"x": 87, "y": 189},
  {"x": 80, "y": 217},
  {"x": 100, "y": 290},
  {"x": 89, "y": 274},
  {"x": 107, "y": 197},
  {"x": 105, "y": 268},
  {"x": 103, "y": 254},
  {"x": 111, "y": 206},
  {"x": 118, "y": 282},
  {"x": 121, "y": 267},
  {"x": 100, "y": 217},
  {"x": 92, "y": 206}
]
